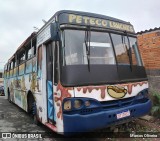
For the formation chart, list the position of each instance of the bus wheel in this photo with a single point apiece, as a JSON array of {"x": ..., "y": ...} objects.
[
  {"x": 34, "y": 114},
  {"x": 32, "y": 108},
  {"x": 9, "y": 97}
]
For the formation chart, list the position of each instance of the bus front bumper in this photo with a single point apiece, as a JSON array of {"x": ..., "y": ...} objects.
[{"x": 89, "y": 122}]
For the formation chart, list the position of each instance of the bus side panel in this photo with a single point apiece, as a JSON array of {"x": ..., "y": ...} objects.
[
  {"x": 39, "y": 66},
  {"x": 107, "y": 93},
  {"x": 60, "y": 94},
  {"x": 19, "y": 92},
  {"x": 5, "y": 84}
]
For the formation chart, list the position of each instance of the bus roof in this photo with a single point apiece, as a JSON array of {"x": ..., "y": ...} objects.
[
  {"x": 61, "y": 16},
  {"x": 22, "y": 45},
  {"x": 90, "y": 15},
  {"x": 57, "y": 15},
  {"x": 26, "y": 41}
]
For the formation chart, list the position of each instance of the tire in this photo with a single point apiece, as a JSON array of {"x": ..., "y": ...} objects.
[
  {"x": 34, "y": 114},
  {"x": 32, "y": 109},
  {"x": 9, "y": 97},
  {"x": 36, "y": 121}
]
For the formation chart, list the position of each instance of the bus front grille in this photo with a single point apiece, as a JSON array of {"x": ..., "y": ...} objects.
[{"x": 108, "y": 105}]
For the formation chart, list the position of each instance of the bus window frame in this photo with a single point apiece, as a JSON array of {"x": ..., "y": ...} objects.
[
  {"x": 83, "y": 28},
  {"x": 57, "y": 68},
  {"x": 25, "y": 50},
  {"x": 33, "y": 50},
  {"x": 12, "y": 67},
  {"x": 27, "y": 58}
]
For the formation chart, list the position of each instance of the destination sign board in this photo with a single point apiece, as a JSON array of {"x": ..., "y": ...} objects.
[
  {"x": 98, "y": 22},
  {"x": 44, "y": 35}
]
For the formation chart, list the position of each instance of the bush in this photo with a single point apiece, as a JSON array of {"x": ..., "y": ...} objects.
[{"x": 156, "y": 104}]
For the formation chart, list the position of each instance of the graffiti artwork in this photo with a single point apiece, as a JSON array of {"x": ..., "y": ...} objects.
[{"x": 116, "y": 92}]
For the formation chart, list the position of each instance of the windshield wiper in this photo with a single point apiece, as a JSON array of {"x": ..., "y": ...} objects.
[
  {"x": 130, "y": 54},
  {"x": 87, "y": 44},
  {"x": 63, "y": 47},
  {"x": 129, "y": 51}
]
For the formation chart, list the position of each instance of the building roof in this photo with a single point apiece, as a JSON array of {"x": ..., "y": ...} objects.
[{"x": 150, "y": 30}]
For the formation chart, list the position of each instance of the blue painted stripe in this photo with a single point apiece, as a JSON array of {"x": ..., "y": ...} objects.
[
  {"x": 102, "y": 119},
  {"x": 51, "y": 110}
]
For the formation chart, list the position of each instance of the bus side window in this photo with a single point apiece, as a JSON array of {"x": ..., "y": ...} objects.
[
  {"x": 34, "y": 50},
  {"x": 21, "y": 57},
  {"x": 5, "y": 71},
  {"x": 1, "y": 76},
  {"x": 34, "y": 47},
  {"x": 12, "y": 66},
  {"x": 11, "y": 69},
  {"x": 8, "y": 68},
  {"x": 28, "y": 53}
]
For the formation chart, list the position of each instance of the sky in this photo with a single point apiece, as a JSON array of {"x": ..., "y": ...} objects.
[{"x": 19, "y": 17}]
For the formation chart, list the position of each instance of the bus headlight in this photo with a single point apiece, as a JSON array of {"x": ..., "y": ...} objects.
[
  {"x": 143, "y": 94},
  {"x": 67, "y": 105},
  {"x": 87, "y": 103},
  {"x": 140, "y": 96},
  {"x": 77, "y": 103}
]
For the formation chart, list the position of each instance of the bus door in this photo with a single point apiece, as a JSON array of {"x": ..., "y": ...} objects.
[{"x": 49, "y": 82}]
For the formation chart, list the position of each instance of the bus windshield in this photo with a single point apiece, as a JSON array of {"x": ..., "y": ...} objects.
[{"x": 101, "y": 50}]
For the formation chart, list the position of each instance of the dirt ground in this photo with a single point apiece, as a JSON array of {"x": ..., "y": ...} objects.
[{"x": 14, "y": 119}]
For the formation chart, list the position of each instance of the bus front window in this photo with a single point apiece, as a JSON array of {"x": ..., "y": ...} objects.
[
  {"x": 75, "y": 50},
  {"x": 100, "y": 49},
  {"x": 135, "y": 53},
  {"x": 121, "y": 45}
]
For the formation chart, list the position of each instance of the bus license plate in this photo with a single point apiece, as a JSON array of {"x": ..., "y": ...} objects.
[{"x": 123, "y": 114}]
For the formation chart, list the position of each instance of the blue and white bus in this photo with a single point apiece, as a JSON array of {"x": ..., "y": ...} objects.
[{"x": 80, "y": 72}]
